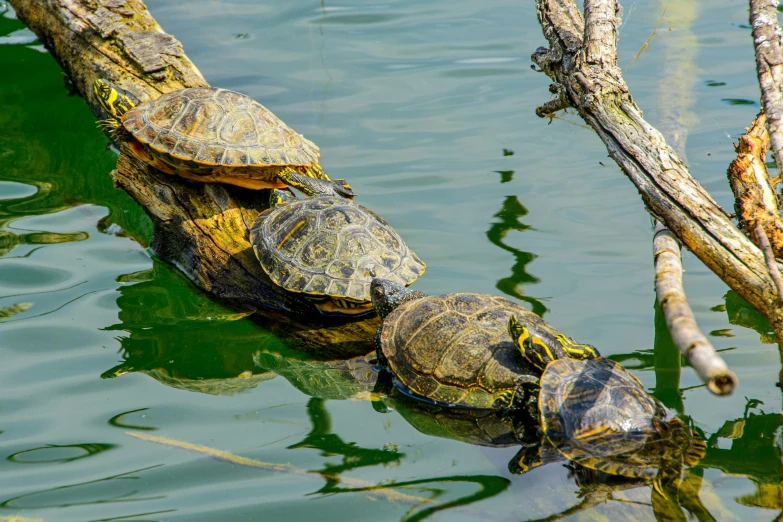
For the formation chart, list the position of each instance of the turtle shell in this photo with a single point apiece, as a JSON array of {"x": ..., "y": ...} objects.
[
  {"x": 331, "y": 247},
  {"x": 455, "y": 350},
  {"x": 215, "y": 127},
  {"x": 599, "y": 415}
]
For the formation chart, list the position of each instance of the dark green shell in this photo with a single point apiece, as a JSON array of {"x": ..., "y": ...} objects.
[
  {"x": 330, "y": 246},
  {"x": 598, "y": 414},
  {"x": 455, "y": 350},
  {"x": 216, "y": 127}
]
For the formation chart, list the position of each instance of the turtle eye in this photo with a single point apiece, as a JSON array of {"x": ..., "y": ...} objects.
[{"x": 378, "y": 291}]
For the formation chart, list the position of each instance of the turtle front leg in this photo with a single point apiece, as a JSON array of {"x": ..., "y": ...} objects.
[{"x": 315, "y": 187}]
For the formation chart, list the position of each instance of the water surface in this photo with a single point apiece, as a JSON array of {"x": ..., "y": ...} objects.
[{"x": 428, "y": 109}]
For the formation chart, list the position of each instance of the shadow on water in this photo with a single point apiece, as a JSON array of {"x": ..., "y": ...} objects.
[{"x": 508, "y": 217}]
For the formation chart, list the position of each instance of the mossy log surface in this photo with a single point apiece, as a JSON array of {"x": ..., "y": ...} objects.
[{"x": 200, "y": 228}]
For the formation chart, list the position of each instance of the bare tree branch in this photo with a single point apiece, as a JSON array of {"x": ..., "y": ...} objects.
[
  {"x": 710, "y": 367},
  {"x": 597, "y": 91},
  {"x": 767, "y": 38},
  {"x": 769, "y": 257}
]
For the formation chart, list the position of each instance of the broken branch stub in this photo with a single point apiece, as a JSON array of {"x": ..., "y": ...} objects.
[{"x": 680, "y": 321}]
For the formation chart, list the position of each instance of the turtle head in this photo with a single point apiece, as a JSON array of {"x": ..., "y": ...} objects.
[
  {"x": 533, "y": 349},
  {"x": 388, "y": 295},
  {"x": 279, "y": 197},
  {"x": 112, "y": 99}
]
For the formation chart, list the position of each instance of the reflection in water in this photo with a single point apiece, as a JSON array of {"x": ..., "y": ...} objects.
[
  {"x": 667, "y": 363},
  {"x": 509, "y": 215},
  {"x": 118, "y": 421},
  {"x": 58, "y": 453},
  {"x": 114, "y": 488},
  {"x": 322, "y": 438},
  {"x": 752, "y": 451},
  {"x": 479, "y": 427},
  {"x": 741, "y": 313},
  {"x": 334, "y": 379},
  {"x": 165, "y": 320}
]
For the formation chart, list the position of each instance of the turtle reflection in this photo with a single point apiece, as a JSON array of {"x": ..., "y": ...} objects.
[
  {"x": 162, "y": 322},
  {"x": 333, "y": 379}
]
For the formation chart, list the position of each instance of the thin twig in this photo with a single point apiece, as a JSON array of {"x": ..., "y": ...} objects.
[
  {"x": 769, "y": 257},
  {"x": 769, "y": 67},
  {"x": 649, "y": 38},
  {"x": 710, "y": 366}
]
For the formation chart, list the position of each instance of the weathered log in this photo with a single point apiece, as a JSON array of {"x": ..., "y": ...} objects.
[
  {"x": 680, "y": 321},
  {"x": 769, "y": 67},
  {"x": 200, "y": 228},
  {"x": 582, "y": 60}
]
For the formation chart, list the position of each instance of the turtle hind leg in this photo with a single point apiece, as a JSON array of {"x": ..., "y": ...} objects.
[{"x": 315, "y": 187}]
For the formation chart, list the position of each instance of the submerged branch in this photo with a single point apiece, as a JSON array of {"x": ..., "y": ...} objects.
[
  {"x": 769, "y": 67},
  {"x": 382, "y": 491},
  {"x": 680, "y": 321}
]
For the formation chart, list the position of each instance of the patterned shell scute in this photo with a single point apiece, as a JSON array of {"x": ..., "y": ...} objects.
[
  {"x": 454, "y": 349},
  {"x": 330, "y": 246},
  {"x": 598, "y": 402},
  {"x": 216, "y": 127}
]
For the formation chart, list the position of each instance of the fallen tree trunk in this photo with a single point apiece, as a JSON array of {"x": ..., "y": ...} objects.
[
  {"x": 200, "y": 228},
  {"x": 582, "y": 61}
]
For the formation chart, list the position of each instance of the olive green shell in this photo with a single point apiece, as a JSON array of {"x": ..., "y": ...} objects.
[
  {"x": 455, "y": 350},
  {"x": 330, "y": 246},
  {"x": 598, "y": 414},
  {"x": 206, "y": 127}
]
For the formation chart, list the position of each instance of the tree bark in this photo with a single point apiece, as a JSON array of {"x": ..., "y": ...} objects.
[
  {"x": 769, "y": 66},
  {"x": 200, "y": 228}
]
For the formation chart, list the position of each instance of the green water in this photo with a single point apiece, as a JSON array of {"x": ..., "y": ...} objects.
[{"x": 427, "y": 108}]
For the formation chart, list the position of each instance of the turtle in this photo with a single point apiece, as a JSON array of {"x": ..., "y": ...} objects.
[
  {"x": 455, "y": 350},
  {"x": 597, "y": 414},
  {"x": 328, "y": 248},
  {"x": 215, "y": 135}
]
